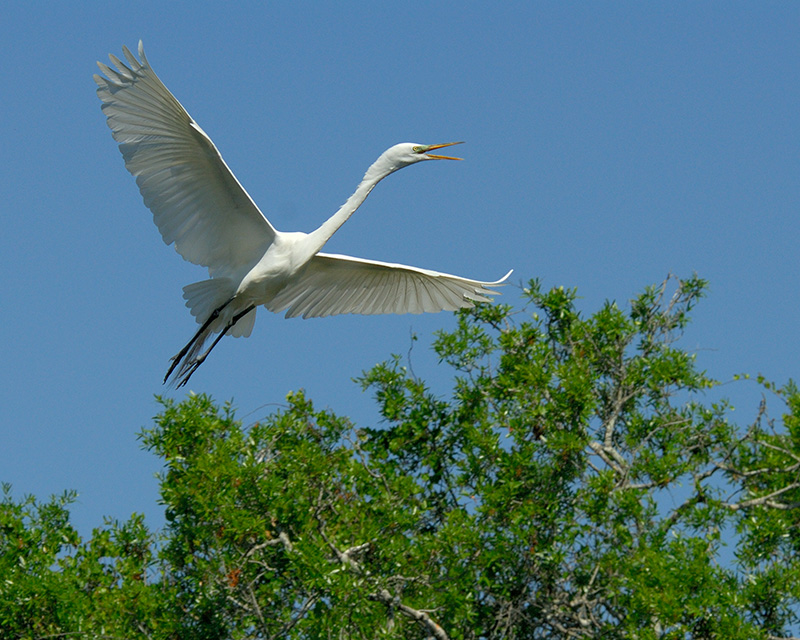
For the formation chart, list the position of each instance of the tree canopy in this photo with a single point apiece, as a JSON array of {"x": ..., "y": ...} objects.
[{"x": 579, "y": 481}]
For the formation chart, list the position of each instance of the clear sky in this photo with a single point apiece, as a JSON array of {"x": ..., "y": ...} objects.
[{"x": 608, "y": 145}]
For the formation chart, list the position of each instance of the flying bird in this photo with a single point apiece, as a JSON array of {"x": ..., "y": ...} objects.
[{"x": 199, "y": 205}]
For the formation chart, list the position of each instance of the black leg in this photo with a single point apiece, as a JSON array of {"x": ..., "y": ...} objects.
[
  {"x": 175, "y": 360},
  {"x": 200, "y": 359}
]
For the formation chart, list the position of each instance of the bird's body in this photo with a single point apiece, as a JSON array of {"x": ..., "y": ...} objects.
[{"x": 198, "y": 205}]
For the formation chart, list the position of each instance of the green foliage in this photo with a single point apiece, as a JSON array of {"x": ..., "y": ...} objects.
[
  {"x": 576, "y": 483},
  {"x": 53, "y": 582}
]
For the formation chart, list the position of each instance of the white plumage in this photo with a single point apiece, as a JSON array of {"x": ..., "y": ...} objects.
[{"x": 199, "y": 205}]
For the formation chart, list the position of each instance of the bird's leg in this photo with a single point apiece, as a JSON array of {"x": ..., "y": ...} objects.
[
  {"x": 175, "y": 360},
  {"x": 200, "y": 359},
  {"x": 222, "y": 333}
]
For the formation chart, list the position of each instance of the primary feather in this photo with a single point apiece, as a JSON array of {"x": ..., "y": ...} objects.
[{"x": 197, "y": 202}]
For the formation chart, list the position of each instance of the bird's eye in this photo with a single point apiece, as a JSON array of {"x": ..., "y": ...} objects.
[{"x": 418, "y": 149}]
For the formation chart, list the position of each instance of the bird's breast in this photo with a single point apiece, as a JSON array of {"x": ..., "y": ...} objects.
[{"x": 282, "y": 262}]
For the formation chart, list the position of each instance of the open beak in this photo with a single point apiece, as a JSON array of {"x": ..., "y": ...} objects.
[{"x": 441, "y": 146}]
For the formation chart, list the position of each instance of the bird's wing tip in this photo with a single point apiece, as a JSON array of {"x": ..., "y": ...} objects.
[{"x": 503, "y": 279}]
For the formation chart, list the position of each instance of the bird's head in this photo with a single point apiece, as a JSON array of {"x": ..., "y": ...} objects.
[
  {"x": 402, "y": 155},
  {"x": 407, "y": 153}
]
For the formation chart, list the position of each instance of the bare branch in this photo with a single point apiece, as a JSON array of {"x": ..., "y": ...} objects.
[
  {"x": 285, "y": 540},
  {"x": 601, "y": 451},
  {"x": 417, "y": 615},
  {"x": 274, "y": 542},
  {"x": 352, "y": 551},
  {"x": 382, "y": 595},
  {"x": 767, "y": 500},
  {"x": 345, "y": 557}
]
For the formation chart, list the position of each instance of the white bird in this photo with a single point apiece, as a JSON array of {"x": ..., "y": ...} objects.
[{"x": 199, "y": 205}]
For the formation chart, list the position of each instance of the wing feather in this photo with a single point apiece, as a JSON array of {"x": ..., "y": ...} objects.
[
  {"x": 334, "y": 284},
  {"x": 373, "y": 291},
  {"x": 392, "y": 293},
  {"x": 431, "y": 297},
  {"x": 197, "y": 202}
]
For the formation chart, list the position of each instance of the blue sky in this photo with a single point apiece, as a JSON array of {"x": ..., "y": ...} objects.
[{"x": 608, "y": 145}]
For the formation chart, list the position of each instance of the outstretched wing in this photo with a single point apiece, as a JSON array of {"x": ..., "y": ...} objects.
[
  {"x": 334, "y": 284},
  {"x": 196, "y": 201}
]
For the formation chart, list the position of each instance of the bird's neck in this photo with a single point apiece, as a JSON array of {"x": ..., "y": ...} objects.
[{"x": 377, "y": 172}]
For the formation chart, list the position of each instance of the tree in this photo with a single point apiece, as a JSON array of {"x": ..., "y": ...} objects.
[
  {"x": 55, "y": 585},
  {"x": 577, "y": 483}
]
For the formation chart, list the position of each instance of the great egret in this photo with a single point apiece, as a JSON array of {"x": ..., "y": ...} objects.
[{"x": 199, "y": 205}]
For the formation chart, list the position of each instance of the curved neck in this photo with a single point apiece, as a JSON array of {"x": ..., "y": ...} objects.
[{"x": 377, "y": 172}]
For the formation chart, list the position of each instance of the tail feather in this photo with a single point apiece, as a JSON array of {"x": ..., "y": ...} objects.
[
  {"x": 244, "y": 327},
  {"x": 204, "y": 297}
]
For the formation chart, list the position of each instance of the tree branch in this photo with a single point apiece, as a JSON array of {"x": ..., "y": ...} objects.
[
  {"x": 767, "y": 500},
  {"x": 382, "y": 595},
  {"x": 284, "y": 631},
  {"x": 417, "y": 615}
]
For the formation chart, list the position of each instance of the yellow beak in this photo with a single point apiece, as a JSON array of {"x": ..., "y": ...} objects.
[{"x": 441, "y": 146}]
